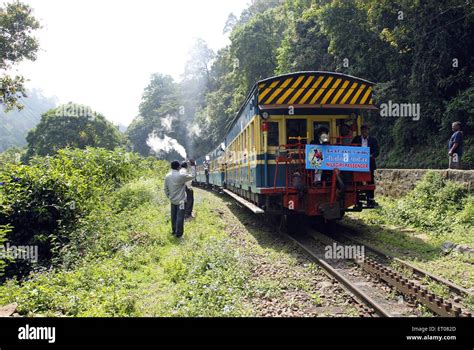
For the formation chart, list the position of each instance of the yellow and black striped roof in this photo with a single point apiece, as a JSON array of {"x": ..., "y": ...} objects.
[{"x": 315, "y": 89}]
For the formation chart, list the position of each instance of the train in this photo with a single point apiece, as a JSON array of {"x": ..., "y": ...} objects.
[{"x": 289, "y": 148}]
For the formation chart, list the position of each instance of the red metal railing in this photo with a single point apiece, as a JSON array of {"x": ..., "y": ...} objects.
[{"x": 293, "y": 156}]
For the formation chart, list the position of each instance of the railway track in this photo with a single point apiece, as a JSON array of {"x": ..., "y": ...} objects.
[
  {"x": 377, "y": 287},
  {"x": 406, "y": 279},
  {"x": 374, "y": 299}
]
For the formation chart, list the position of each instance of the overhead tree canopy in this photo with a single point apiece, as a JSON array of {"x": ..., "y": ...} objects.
[
  {"x": 17, "y": 43},
  {"x": 415, "y": 51}
]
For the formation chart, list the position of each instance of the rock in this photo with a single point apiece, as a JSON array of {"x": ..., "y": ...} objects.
[
  {"x": 447, "y": 246},
  {"x": 324, "y": 284},
  {"x": 8, "y": 310}
]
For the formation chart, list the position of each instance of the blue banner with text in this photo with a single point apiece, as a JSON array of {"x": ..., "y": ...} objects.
[{"x": 345, "y": 158}]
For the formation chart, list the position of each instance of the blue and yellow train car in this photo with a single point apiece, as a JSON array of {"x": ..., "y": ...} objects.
[{"x": 263, "y": 155}]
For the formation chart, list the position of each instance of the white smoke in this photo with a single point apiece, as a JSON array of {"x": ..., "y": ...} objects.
[
  {"x": 195, "y": 131},
  {"x": 167, "y": 122},
  {"x": 164, "y": 145}
]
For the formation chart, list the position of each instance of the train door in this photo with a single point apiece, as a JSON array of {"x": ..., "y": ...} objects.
[{"x": 270, "y": 146}]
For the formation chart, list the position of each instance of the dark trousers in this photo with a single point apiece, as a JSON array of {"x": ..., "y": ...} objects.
[
  {"x": 189, "y": 202},
  {"x": 453, "y": 164},
  {"x": 371, "y": 194},
  {"x": 177, "y": 218},
  {"x": 207, "y": 177}
]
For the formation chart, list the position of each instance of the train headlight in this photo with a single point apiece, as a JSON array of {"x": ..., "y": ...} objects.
[{"x": 324, "y": 138}]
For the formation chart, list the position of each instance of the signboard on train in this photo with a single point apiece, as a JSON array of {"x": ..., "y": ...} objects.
[{"x": 344, "y": 158}]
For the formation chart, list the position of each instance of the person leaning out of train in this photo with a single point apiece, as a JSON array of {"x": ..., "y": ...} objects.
[
  {"x": 455, "y": 147},
  {"x": 365, "y": 140},
  {"x": 346, "y": 137},
  {"x": 205, "y": 165},
  {"x": 175, "y": 190},
  {"x": 189, "y": 191}
]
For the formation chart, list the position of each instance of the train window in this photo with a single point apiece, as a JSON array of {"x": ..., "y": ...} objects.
[
  {"x": 273, "y": 134},
  {"x": 295, "y": 128}
]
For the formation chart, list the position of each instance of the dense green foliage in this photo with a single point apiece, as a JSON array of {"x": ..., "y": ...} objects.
[
  {"x": 44, "y": 201},
  {"x": 417, "y": 52},
  {"x": 435, "y": 206},
  {"x": 71, "y": 125},
  {"x": 17, "y": 43},
  {"x": 117, "y": 257}
]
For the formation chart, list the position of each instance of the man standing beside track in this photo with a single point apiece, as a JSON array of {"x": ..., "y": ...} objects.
[
  {"x": 175, "y": 190},
  {"x": 455, "y": 147}
]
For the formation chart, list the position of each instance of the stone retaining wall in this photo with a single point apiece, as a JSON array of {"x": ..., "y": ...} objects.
[{"x": 397, "y": 182}]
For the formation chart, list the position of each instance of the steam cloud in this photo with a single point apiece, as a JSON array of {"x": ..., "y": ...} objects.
[
  {"x": 166, "y": 122},
  {"x": 195, "y": 130},
  {"x": 164, "y": 145}
]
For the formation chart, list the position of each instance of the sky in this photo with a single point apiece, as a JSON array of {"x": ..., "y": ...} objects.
[{"x": 101, "y": 53}]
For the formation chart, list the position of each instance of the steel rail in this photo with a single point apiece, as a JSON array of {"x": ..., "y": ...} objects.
[{"x": 340, "y": 278}]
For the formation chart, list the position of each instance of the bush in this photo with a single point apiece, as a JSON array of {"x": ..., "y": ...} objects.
[
  {"x": 44, "y": 201},
  {"x": 136, "y": 193},
  {"x": 433, "y": 205},
  {"x": 3, "y": 232}
]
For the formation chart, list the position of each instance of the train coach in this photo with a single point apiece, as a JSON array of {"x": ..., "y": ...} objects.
[{"x": 289, "y": 149}]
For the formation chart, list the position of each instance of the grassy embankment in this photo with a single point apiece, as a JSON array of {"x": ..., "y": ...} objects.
[
  {"x": 432, "y": 227},
  {"x": 119, "y": 259}
]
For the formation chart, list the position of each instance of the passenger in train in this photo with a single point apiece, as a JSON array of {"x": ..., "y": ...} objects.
[
  {"x": 175, "y": 190},
  {"x": 365, "y": 140},
  {"x": 189, "y": 191},
  {"x": 346, "y": 137},
  {"x": 205, "y": 164},
  {"x": 322, "y": 138}
]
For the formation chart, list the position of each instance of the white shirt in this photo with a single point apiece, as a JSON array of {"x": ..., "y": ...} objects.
[
  {"x": 175, "y": 188},
  {"x": 365, "y": 142},
  {"x": 184, "y": 171}
]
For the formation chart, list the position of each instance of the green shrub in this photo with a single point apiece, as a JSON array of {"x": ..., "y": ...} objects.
[
  {"x": 466, "y": 216},
  {"x": 136, "y": 193},
  {"x": 45, "y": 200},
  {"x": 3, "y": 232},
  {"x": 433, "y": 205},
  {"x": 93, "y": 289}
]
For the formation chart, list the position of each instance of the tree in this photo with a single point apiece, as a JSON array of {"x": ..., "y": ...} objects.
[
  {"x": 230, "y": 23},
  {"x": 255, "y": 43},
  {"x": 16, "y": 44},
  {"x": 71, "y": 125},
  {"x": 159, "y": 113}
]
